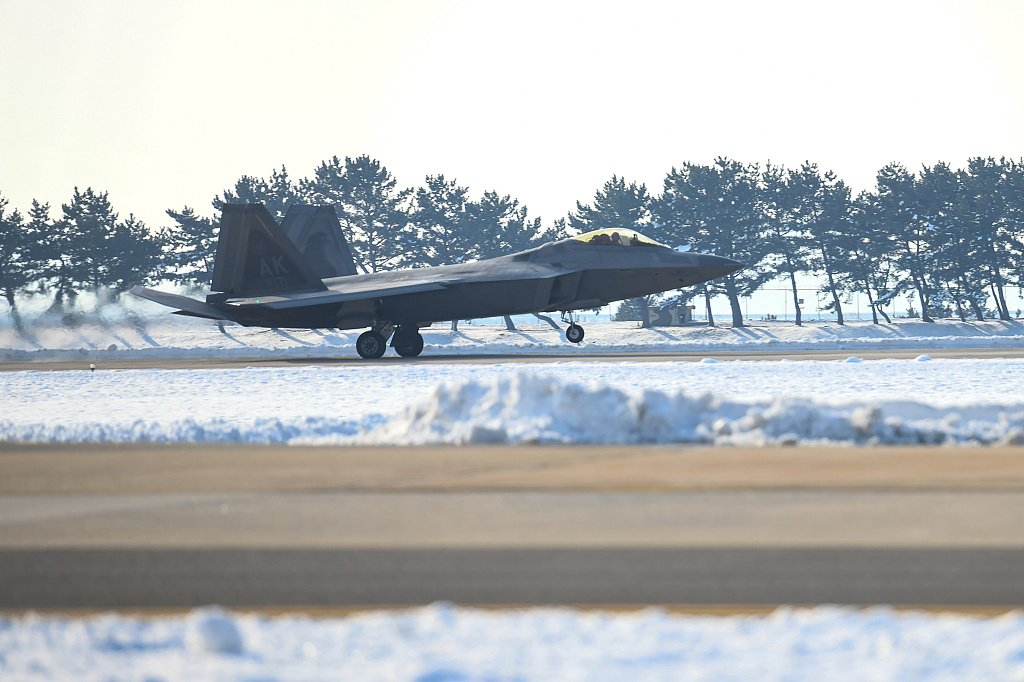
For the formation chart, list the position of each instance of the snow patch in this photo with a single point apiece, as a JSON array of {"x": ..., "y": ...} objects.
[{"x": 211, "y": 630}]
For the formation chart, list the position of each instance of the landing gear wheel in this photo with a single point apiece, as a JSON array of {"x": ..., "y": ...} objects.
[
  {"x": 574, "y": 333},
  {"x": 371, "y": 344},
  {"x": 408, "y": 344}
]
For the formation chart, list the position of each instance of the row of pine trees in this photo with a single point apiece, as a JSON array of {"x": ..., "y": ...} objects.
[{"x": 952, "y": 238}]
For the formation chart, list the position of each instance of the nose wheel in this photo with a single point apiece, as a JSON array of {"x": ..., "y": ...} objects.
[{"x": 574, "y": 333}]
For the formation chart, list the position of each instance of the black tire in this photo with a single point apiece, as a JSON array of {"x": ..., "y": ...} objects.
[
  {"x": 371, "y": 344},
  {"x": 408, "y": 344},
  {"x": 574, "y": 333}
]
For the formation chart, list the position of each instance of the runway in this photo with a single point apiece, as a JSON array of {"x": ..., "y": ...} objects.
[
  {"x": 212, "y": 361},
  {"x": 175, "y": 526}
]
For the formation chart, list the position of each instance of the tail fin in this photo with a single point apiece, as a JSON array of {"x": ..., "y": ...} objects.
[
  {"x": 255, "y": 256},
  {"x": 316, "y": 232}
]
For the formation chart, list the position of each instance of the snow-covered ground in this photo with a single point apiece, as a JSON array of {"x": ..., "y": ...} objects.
[
  {"x": 874, "y": 401},
  {"x": 883, "y": 401},
  {"x": 445, "y": 643},
  {"x": 116, "y": 332}
]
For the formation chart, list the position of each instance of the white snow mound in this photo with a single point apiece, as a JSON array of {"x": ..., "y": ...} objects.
[{"x": 534, "y": 408}]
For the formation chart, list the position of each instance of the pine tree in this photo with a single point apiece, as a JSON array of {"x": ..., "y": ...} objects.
[
  {"x": 823, "y": 204},
  {"x": 867, "y": 260},
  {"x": 954, "y": 246},
  {"x": 502, "y": 225},
  {"x": 715, "y": 210},
  {"x": 89, "y": 224},
  {"x": 785, "y": 209},
  {"x": 370, "y": 207},
  {"x": 988, "y": 209},
  {"x": 192, "y": 244},
  {"x": 15, "y": 272},
  {"x": 277, "y": 194},
  {"x": 442, "y": 225},
  {"x": 898, "y": 203},
  {"x": 137, "y": 255}
]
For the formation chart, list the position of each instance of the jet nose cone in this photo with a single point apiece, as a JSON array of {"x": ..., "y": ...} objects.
[{"x": 719, "y": 265}]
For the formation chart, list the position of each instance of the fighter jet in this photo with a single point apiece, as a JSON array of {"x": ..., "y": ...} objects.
[{"x": 301, "y": 274}]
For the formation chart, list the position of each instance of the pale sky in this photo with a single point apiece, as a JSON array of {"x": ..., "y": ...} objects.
[{"x": 167, "y": 103}]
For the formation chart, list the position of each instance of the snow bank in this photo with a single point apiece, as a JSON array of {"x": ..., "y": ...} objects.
[
  {"x": 442, "y": 642},
  {"x": 963, "y": 401},
  {"x": 529, "y": 408}
]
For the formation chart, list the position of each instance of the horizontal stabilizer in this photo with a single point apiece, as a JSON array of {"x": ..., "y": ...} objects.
[{"x": 187, "y": 306}]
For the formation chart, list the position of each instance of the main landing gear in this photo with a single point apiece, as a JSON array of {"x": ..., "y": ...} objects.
[
  {"x": 407, "y": 340},
  {"x": 371, "y": 344},
  {"x": 574, "y": 332}
]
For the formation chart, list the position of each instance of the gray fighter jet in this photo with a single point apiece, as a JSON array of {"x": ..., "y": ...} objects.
[{"x": 301, "y": 274}]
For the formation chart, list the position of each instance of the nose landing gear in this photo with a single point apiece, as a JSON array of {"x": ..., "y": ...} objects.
[{"x": 574, "y": 332}]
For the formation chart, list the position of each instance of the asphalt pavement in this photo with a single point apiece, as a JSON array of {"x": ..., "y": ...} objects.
[{"x": 139, "y": 526}]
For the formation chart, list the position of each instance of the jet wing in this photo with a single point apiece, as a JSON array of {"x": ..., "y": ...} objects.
[{"x": 356, "y": 293}]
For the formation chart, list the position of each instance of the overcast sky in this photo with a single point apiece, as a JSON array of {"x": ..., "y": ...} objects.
[{"x": 167, "y": 103}]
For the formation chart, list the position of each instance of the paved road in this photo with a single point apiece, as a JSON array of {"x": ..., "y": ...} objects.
[
  {"x": 152, "y": 526},
  {"x": 111, "y": 578},
  {"x": 569, "y": 355}
]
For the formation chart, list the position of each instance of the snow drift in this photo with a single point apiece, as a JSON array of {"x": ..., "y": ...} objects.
[{"x": 527, "y": 407}]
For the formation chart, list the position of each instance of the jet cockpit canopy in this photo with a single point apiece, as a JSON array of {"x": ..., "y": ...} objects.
[{"x": 615, "y": 237}]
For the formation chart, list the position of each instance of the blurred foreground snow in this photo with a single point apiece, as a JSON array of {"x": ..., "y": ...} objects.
[{"x": 442, "y": 642}]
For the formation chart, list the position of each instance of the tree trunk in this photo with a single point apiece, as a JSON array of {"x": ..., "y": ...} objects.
[
  {"x": 58, "y": 300},
  {"x": 978, "y": 312},
  {"x": 508, "y": 324},
  {"x": 871, "y": 302},
  {"x": 645, "y": 313},
  {"x": 997, "y": 286},
  {"x": 734, "y": 302},
  {"x": 796, "y": 299},
  {"x": 956, "y": 301},
  {"x": 1004, "y": 311},
  {"x": 707, "y": 305},
  {"x": 883, "y": 313},
  {"x": 919, "y": 285},
  {"x": 15, "y": 314},
  {"x": 835, "y": 300}
]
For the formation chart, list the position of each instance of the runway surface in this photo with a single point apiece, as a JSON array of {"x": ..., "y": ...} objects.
[
  {"x": 569, "y": 355},
  {"x": 176, "y": 526}
]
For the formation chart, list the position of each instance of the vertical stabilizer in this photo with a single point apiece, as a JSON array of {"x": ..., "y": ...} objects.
[
  {"x": 255, "y": 256},
  {"x": 316, "y": 232}
]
